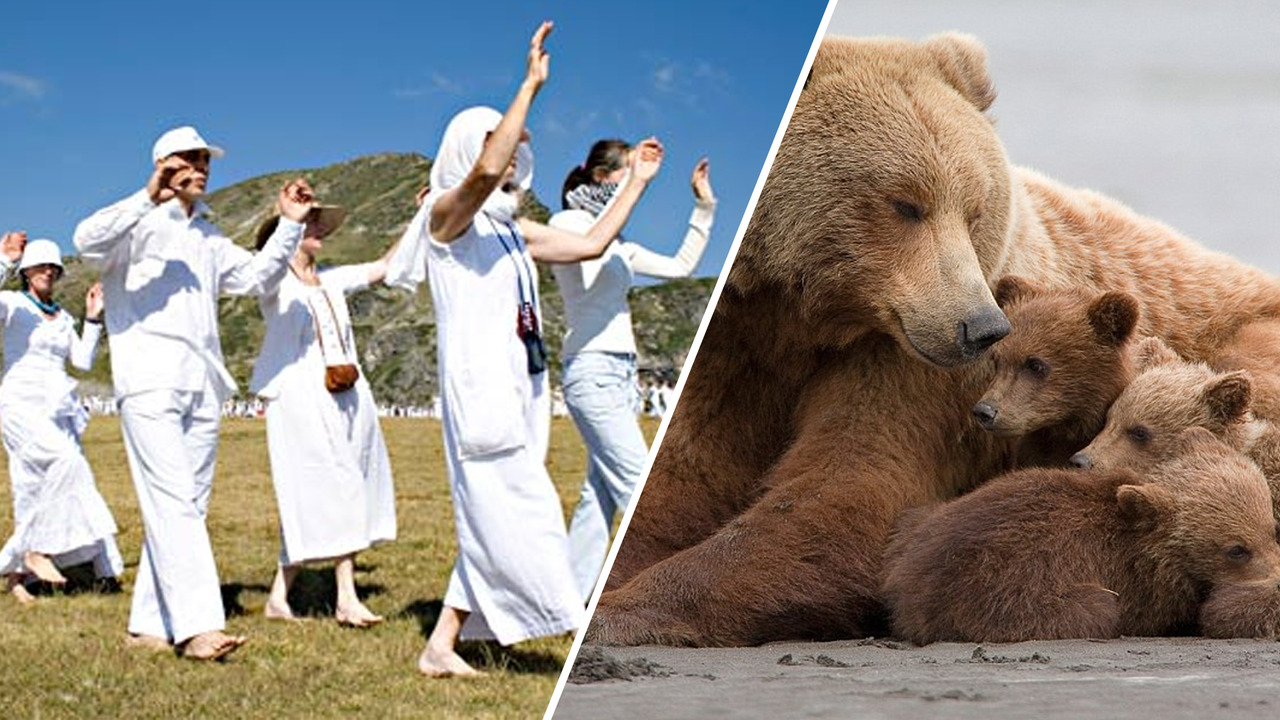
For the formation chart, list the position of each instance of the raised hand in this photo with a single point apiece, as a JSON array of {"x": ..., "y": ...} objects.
[
  {"x": 296, "y": 200},
  {"x": 701, "y": 181},
  {"x": 13, "y": 243},
  {"x": 169, "y": 173},
  {"x": 646, "y": 160},
  {"x": 93, "y": 303},
  {"x": 538, "y": 66}
]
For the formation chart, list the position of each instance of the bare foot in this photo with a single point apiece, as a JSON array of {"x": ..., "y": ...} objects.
[
  {"x": 212, "y": 645},
  {"x": 148, "y": 642},
  {"x": 272, "y": 611},
  {"x": 444, "y": 664},
  {"x": 13, "y": 585},
  {"x": 357, "y": 616},
  {"x": 43, "y": 568}
]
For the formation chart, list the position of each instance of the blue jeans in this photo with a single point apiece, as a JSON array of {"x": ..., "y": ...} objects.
[{"x": 600, "y": 390}]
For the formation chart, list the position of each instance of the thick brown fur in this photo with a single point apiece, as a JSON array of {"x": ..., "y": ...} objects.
[
  {"x": 1170, "y": 395},
  {"x": 1046, "y": 554},
  {"x": 831, "y": 389},
  {"x": 1242, "y": 610},
  {"x": 1065, "y": 361}
]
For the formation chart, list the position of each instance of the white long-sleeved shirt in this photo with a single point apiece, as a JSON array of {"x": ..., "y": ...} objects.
[
  {"x": 37, "y": 348},
  {"x": 162, "y": 272},
  {"x": 597, "y": 316}
]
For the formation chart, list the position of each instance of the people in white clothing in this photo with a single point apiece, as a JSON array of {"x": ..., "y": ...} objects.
[
  {"x": 329, "y": 462},
  {"x": 599, "y": 368},
  {"x": 164, "y": 265},
  {"x": 512, "y": 579},
  {"x": 59, "y": 517}
]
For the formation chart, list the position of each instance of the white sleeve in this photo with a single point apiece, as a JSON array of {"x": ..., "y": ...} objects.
[
  {"x": 84, "y": 347},
  {"x": 99, "y": 236},
  {"x": 246, "y": 273},
  {"x": 685, "y": 261},
  {"x": 347, "y": 278}
]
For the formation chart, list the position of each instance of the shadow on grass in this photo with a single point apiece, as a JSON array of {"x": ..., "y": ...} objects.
[
  {"x": 314, "y": 593},
  {"x": 485, "y": 655},
  {"x": 231, "y": 604}
]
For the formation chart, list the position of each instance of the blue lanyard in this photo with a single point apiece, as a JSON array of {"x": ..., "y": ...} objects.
[{"x": 517, "y": 258}]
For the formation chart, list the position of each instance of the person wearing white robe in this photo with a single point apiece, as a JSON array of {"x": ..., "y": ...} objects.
[
  {"x": 60, "y": 518},
  {"x": 599, "y": 347},
  {"x": 329, "y": 462},
  {"x": 164, "y": 264},
  {"x": 512, "y": 580}
]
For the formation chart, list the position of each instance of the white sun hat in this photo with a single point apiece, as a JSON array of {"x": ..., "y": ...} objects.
[
  {"x": 181, "y": 139},
  {"x": 41, "y": 252}
]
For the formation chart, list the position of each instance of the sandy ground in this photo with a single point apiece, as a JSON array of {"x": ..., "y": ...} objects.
[{"x": 1164, "y": 678}]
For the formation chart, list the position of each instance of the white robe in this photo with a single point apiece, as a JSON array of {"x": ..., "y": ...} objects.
[
  {"x": 329, "y": 462},
  {"x": 512, "y": 573},
  {"x": 57, "y": 508}
]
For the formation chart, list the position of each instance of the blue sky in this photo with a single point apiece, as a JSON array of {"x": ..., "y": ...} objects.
[{"x": 303, "y": 85}]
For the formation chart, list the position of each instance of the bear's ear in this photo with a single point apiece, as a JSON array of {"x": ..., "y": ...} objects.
[
  {"x": 1113, "y": 317},
  {"x": 1152, "y": 352},
  {"x": 1229, "y": 396},
  {"x": 1142, "y": 505},
  {"x": 1012, "y": 288},
  {"x": 963, "y": 63}
]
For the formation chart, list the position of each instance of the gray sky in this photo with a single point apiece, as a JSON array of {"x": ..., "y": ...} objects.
[{"x": 1170, "y": 106}]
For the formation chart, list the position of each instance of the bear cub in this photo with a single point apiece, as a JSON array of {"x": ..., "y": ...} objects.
[{"x": 1052, "y": 554}]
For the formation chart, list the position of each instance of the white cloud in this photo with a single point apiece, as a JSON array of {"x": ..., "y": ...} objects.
[
  {"x": 437, "y": 84},
  {"x": 22, "y": 85},
  {"x": 664, "y": 77}
]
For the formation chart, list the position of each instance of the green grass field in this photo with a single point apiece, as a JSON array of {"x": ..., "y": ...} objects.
[{"x": 65, "y": 656}]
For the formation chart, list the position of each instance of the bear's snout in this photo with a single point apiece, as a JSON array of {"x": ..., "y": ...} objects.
[
  {"x": 1082, "y": 461},
  {"x": 982, "y": 330},
  {"x": 985, "y": 414}
]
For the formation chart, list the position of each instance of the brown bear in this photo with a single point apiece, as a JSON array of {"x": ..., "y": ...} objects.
[
  {"x": 1242, "y": 610},
  {"x": 834, "y": 384},
  {"x": 1169, "y": 395},
  {"x": 1045, "y": 554},
  {"x": 1064, "y": 362}
]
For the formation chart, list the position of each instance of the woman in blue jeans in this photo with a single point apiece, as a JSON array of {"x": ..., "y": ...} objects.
[{"x": 599, "y": 371}]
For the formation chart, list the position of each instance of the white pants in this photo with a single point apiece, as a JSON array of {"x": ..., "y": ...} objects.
[{"x": 171, "y": 437}]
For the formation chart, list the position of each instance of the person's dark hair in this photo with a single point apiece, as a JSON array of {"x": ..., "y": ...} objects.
[
  {"x": 605, "y": 155},
  {"x": 265, "y": 231}
]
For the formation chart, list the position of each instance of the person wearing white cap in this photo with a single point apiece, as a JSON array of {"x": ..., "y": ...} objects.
[
  {"x": 60, "y": 518},
  {"x": 163, "y": 266},
  {"x": 329, "y": 462},
  {"x": 512, "y": 580}
]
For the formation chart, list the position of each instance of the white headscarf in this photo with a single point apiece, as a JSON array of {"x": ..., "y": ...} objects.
[{"x": 459, "y": 151}]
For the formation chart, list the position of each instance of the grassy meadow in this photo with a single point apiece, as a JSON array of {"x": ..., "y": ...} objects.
[{"x": 65, "y": 655}]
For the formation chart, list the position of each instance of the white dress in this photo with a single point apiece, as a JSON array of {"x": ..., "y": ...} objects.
[
  {"x": 329, "y": 462},
  {"x": 513, "y": 573},
  {"x": 57, "y": 508}
]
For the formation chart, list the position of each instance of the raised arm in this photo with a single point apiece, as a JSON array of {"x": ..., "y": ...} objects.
[
  {"x": 85, "y": 346},
  {"x": 647, "y": 262},
  {"x": 452, "y": 214},
  {"x": 553, "y": 245},
  {"x": 244, "y": 273},
  {"x": 11, "y": 246},
  {"x": 98, "y": 236}
]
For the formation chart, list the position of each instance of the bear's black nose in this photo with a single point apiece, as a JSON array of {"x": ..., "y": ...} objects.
[
  {"x": 1082, "y": 461},
  {"x": 985, "y": 414},
  {"x": 981, "y": 330}
]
